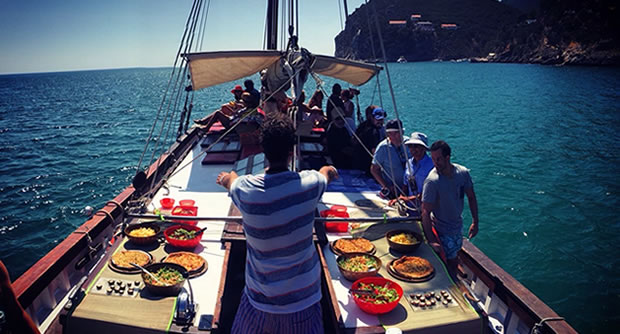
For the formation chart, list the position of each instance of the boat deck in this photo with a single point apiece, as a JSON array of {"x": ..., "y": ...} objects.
[{"x": 217, "y": 290}]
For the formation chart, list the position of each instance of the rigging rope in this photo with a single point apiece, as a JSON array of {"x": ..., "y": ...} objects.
[
  {"x": 170, "y": 112},
  {"x": 374, "y": 55},
  {"x": 387, "y": 73},
  {"x": 174, "y": 68},
  {"x": 320, "y": 85}
]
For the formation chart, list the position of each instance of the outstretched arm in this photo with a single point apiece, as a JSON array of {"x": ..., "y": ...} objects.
[
  {"x": 225, "y": 179},
  {"x": 473, "y": 208}
]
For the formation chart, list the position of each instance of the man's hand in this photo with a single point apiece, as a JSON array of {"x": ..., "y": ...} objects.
[
  {"x": 225, "y": 179},
  {"x": 329, "y": 172},
  {"x": 473, "y": 229}
]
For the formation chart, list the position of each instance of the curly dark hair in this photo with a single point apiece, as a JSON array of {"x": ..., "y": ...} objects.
[{"x": 277, "y": 136}]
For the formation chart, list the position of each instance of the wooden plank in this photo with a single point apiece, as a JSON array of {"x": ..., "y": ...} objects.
[
  {"x": 333, "y": 301},
  {"x": 222, "y": 287},
  {"x": 516, "y": 296}
]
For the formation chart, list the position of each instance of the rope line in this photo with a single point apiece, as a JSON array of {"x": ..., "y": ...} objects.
[{"x": 174, "y": 67}]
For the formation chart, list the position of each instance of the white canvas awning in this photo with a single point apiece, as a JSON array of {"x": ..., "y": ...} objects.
[
  {"x": 353, "y": 72},
  {"x": 213, "y": 68}
]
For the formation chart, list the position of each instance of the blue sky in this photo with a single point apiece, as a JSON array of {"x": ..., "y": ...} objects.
[{"x": 60, "y": 35}]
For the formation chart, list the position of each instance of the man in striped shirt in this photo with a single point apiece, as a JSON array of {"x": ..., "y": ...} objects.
[{"x": 282, "y": 272}]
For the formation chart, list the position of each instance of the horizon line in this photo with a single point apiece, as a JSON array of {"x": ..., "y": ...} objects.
[{"x": 85, "y": 70}]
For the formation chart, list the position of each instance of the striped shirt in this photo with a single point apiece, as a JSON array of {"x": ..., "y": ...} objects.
[{"x": 282, "y": 272}]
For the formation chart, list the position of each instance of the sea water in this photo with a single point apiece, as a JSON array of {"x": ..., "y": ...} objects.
[{"x": 541, "y": 143}]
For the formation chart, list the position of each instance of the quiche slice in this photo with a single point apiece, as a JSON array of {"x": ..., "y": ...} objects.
[
  {"x": 412, "y": 267},
  {"x": 355, "y": 245},
  {"x": 123, "y": 259},
  {"x": 190, "y": 261}
]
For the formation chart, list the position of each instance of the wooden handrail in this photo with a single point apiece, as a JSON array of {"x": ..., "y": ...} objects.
[{"x": 517, "y": 297}]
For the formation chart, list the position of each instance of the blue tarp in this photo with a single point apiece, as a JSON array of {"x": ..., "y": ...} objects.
[{"x": 353, "y": 181}]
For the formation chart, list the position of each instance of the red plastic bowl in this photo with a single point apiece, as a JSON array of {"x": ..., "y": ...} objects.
[
  {"x": 166, "y": 203},
  {"x": 335, "y": 226},
  {"x": 183, "y": 244},
  {"x": 376, "y": 308},
  {"x": 189, "y": 211},
  {"x": 338, "y": 208},
  {"x": 186, "y": 203}
]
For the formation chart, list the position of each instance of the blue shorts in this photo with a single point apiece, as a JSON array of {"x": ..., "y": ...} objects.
[
  {"x": 250, "y": 320},
  {"x": 451, "y": 244}
]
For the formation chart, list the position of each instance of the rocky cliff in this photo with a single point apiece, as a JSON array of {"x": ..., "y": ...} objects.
[{"x": 557, "y": 32}]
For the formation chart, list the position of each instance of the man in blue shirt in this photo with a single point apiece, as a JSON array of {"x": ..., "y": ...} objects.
[
  {"x": 388, "y": 163},
  {"x": 417, "y": 168}
]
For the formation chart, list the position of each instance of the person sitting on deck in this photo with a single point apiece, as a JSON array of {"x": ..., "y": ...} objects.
[
  {"x": 282, "y": 273},
  {"x": 370, "y": 132},
  {"x": 442, "y": 205},
  {"x": 315, "y": 106},
  {"x": 388, "y": 163},
  {"x": 251, "y": 116},
  {"x": 417, "y": 168},
  {"x": 316, "y": 100},
  {"x": 249, "y": 88},
  {"x": 339, "y": 144},
  {"x": 228, "y": 109}
]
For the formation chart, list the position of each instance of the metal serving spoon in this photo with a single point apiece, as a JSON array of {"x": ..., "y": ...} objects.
[{"x": 147, "y": 272}]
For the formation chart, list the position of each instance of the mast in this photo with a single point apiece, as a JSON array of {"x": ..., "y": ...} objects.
[{"x": 272, "y": 24}]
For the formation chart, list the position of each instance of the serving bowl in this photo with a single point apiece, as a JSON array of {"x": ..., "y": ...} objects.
[
  {"x": 142, "y": 240},
  {"x": 402, "y": 247},
  {"x": 352, "y": 275},
  {"x": 165, "y": 290},
  {"x": 166, "y": 203},
  {"x": 337, "y": 213},
  {"x": 183, "y": 243},
  {"x": 372, "y": 308},
  {"x": 187, "y": 203}
]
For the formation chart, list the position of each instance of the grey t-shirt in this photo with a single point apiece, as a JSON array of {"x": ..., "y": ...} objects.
[
  {"x": 392, "y": 159},
  {"x": 446, "y": 194}
]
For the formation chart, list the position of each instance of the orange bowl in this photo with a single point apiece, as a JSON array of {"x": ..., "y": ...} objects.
[
  {"x": 372, "y": 308},
  {"x": 184, "y": 244}
]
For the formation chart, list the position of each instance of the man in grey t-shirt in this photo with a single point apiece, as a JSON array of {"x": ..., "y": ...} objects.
[{"x": 442, "y": 205}]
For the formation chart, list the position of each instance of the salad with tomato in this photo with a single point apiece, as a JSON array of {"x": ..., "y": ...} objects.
[{"x": 377, "y": 294}]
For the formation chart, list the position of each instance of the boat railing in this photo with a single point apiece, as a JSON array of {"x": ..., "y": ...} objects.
[
  {"x": 46, "y": 284},
  {"x": 504, "y": 300}
]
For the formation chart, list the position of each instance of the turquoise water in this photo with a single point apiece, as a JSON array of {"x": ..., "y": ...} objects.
[{"x": 541, "y": 143}]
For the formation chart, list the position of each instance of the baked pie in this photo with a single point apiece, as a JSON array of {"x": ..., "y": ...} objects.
[
  {"x": 190, "y": 261},
  {"x": 412, "y": 267},
  {"x": 355, "y": 245}
]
